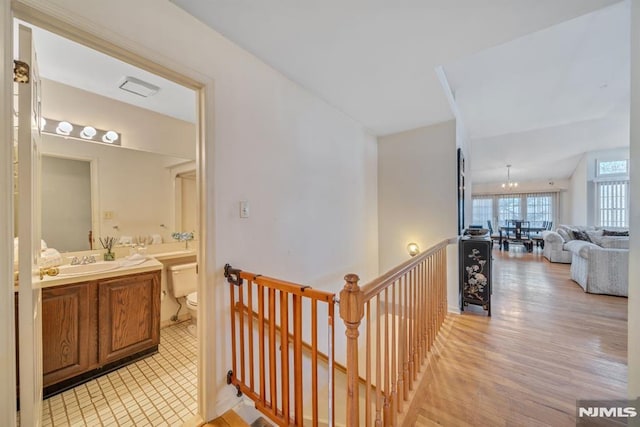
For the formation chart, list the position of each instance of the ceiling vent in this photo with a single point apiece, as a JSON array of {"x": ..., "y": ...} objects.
[{"x": 137, "y": 86}]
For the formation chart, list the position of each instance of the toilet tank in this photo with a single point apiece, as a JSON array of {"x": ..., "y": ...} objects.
[{"x": 183, "y": 279}]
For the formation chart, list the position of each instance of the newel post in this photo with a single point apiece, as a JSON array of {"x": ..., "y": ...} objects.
[{"x": 351, "y": 312}]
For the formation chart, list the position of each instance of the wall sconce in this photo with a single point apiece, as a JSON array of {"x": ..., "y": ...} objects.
[
  {"x": 85, "y": 133},
  {"x": 413, "y": 249}
]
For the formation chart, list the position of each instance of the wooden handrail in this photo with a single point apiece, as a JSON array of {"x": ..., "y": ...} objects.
[
  {"x": 378, "y": 284},
  {"x": 409, "y": 304}
]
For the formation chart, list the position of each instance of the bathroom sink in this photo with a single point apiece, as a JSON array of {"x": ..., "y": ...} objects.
[{"x": 98, "y": 267}]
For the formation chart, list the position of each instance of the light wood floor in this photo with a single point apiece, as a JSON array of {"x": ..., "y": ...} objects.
[{"x": 547, "y": 344}]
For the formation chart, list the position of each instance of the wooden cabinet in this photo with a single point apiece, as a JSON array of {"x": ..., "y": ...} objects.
[
  {"x": 91, "y": 328},
  {"x": 475, "y": 272},
  {"x": 69, "y": 324},
  {"x": 129, "y": 315}
]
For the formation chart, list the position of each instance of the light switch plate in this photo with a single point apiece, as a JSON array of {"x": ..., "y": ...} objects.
[{"x": 244, "y": 209}]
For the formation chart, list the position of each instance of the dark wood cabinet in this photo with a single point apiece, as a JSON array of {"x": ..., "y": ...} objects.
[
  {"x": 129, "y": 315},
  {"x": 69, "y": 325},
  {"x": 91, "y": 328},
  {"x": 475, "y": 272}
]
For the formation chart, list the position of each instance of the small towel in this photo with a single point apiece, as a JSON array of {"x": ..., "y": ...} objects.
[
  {"x": 16, "y": 249},
  {"x": 50, "y": 258},
  {"x": 131, "y": 260},
  {"x": 156, "y": 239},
  {"x": 126, "y": 240}
]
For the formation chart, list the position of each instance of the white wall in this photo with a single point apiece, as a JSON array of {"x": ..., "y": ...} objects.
[
  {"x": 140, "y": 129},
  {"x": 307, "y": 170},
  {"x": 578, "y": 192},
  {"x": 417, "y": 191},
  {"x": 633, "y": 360}
]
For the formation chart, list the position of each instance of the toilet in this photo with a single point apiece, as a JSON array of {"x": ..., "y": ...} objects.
[{"x": 183, "y": 282}]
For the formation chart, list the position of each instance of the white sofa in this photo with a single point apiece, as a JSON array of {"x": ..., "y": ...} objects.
[
  {"x": 553, "y": 248},
  {"x": 599, "y": 266}
]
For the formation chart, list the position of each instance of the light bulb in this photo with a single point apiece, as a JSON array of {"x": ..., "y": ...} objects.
[
  {"x": 110, "y": 137},
  {"x": 64, "y": 128},
  {"x": 413, "y": 249},
  {"x": 88, "y": 132}
]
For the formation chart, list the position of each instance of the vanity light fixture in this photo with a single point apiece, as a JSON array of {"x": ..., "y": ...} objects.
[
  {"x": 413, "y": 249},
  {"x": 85, "y": 133}
]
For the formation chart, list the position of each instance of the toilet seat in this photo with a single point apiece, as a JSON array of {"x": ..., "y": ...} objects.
[{"x": 192, "y": 299}]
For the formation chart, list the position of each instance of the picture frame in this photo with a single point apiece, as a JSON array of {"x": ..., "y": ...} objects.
[{"x": 461, "y": 188}]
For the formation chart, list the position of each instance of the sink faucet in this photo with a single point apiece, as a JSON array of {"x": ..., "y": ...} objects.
[{"x": 87, "y": 259}]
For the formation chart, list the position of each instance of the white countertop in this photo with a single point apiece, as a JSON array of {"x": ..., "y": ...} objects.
[{"x": 151, "y": 264}]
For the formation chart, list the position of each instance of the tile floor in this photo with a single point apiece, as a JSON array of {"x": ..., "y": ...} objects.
[{"x": 157, "y": 391}]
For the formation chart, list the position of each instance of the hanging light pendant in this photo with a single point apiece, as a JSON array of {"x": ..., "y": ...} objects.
[{"x": 509, "y": 185}]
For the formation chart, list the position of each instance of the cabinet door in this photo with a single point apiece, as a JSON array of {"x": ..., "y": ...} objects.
[
  {"x": 475, "y": 271},
  {"x": 129, "y": 310},
  {"x": 68, "y": 331}
]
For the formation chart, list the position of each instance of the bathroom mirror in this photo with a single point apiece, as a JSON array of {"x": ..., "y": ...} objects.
[{"x": 110, "y": 191}]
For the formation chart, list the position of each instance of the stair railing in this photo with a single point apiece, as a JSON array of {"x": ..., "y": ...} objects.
[
  {"x": 266, "y": 316},
  {"x": 402, "y": 312}
]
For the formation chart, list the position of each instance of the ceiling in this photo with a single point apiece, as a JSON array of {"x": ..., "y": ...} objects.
[
  {"x": 73, "y": 64},
  {"x": 536, "y": 69},
  {"x": 532, "y": 80},
  {"x": 540, "y": 101}
]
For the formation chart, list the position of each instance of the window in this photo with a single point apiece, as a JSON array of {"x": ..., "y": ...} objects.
[
  {"x": 539, "y": 209},
  {"x": 482, "y": 211},
  {"x": 508, "y": 209},
  {"x": 613, "y": 203},
  {"x": 613, "y": 168}
]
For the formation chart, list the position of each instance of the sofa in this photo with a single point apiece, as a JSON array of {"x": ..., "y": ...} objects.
[
  {"x": 599, "y": 258},
  {"x": 553, "y": 248}
]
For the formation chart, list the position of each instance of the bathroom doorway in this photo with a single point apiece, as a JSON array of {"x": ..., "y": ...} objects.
[{"x": 112, "y": 219}]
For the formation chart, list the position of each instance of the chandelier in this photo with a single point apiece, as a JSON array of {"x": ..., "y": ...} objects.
[{"x": 509, "y": 185}]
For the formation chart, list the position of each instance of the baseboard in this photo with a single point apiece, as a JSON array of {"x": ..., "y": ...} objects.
[{"x": 182, "y": 318}]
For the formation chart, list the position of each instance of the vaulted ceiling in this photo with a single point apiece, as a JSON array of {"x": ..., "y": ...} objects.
[
  {"x": 550, "y": 72},
  {"x": 536, "y": 83}
]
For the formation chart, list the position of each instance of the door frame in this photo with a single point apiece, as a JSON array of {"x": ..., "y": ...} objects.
[
  {"x": 61, "y": 22},
  {"x": 7, "y": 328}
]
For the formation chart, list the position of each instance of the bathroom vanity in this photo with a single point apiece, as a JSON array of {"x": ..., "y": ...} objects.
[{"x": 94, "y": 323}]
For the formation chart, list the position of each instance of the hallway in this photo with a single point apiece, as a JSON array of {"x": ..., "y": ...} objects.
[{"x": 547, "y": 344}]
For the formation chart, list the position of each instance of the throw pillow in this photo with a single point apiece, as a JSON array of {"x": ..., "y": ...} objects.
[
  {"x": 595, "y": 236},
  {"x": 581, "y": 235},
  {"x": 615, "y": 233},
  {"x": 565, "y": 236}
]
